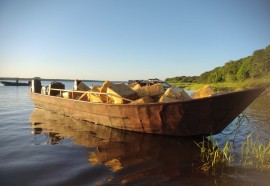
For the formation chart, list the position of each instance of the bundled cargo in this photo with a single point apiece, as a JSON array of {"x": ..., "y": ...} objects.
[
  {"x": 152, "y": 90},
  {"x": 94, "y": 97},
  {"x": 133, "y": 93},
  {"x": 116, "y": 92},
  {"x": 135, "y": 86},
  {"x": 146, "y": 99},
  {"x": 166, "y": 99},
  {"x": 75, "y": 95},
  {"x": 82, "y": 87},
  {"x": 105, "y": 85},
  {"x": 206, "y": 91},
  {"x": 103, "y": 90},
  {"x": 55, "y": 85},
  {"x": 174, "y": 94},
  {"x": 96, "y": 88}
]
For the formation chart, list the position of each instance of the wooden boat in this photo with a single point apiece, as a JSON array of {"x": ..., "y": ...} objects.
[
  {"x": 7, "y": 83},
  {"x": 196, "y": 117}
]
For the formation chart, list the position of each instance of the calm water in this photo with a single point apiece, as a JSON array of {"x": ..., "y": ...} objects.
[{"x": 41, "y": 148}]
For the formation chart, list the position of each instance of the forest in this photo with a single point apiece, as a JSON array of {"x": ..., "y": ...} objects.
[{"x": 256, "y": 66}]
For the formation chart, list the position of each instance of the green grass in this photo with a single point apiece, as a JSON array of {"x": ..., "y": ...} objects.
[
  {"x": 226, "y": 86},
  {"x": 255, "y": 154},
  {"x": 217, "y": 160},
  {"x": 215, "y": 86},
  {"x": 214, "y": 158},
  {"x": 251, "y": 83}
]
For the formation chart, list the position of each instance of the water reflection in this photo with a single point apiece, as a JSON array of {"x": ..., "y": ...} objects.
[
  {"x": 133, "y": 158},
  {"x": 260, "y": 108},
  {"x": 259, "y": 117}
]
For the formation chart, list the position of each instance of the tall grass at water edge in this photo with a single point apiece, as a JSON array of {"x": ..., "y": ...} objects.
[{"x": 217, "y": 159}]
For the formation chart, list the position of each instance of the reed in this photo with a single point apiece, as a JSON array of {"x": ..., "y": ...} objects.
[
  {"x": 218, "y": 160},
  {"x": 255, "y": 154},
  {"x": 214, "y": 158}
]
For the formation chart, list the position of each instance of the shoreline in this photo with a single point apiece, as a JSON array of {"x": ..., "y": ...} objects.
[{"x": 223, "y": 87}]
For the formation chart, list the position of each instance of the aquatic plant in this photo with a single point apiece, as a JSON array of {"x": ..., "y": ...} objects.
[
  {"x": 215, "y": 159},
  {"x": 255, "y": 154}
]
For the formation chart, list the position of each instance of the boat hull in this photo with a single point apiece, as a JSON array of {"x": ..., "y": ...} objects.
[
  {"x": 197, "y": 117},
  {"x": 6, "y": 83}
]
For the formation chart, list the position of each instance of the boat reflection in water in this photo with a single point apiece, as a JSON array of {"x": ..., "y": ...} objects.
[{"x": 133, "y": 158}]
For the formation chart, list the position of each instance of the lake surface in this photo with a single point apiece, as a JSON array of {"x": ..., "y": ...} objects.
[{"x": 38, "y": 147}]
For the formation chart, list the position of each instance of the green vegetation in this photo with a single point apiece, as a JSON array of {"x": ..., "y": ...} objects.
[
  {"x": 252, "y": 71},
  {"x": 217, "y": 159},
  {"x": 227, "y": 86},
  {"x": 253, "y": 154}
]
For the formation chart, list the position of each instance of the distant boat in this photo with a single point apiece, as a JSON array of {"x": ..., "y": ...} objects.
[
  {"x": 196, "y": 117},
  {"x": 8, "y": 83}
]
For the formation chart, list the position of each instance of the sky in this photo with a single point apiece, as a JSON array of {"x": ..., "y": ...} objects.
[{"x": 127, "y": 39}]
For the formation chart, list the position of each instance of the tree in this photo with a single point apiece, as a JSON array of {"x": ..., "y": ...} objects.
[
  {"x": 260, "y": 64},
  {"x": 255, "y": 66},
  {"x": 244, "y": 71}
]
